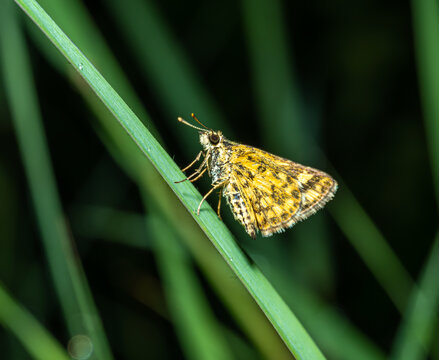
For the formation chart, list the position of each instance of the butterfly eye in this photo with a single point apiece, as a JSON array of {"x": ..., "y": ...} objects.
[{"x": 214, "y": 138}]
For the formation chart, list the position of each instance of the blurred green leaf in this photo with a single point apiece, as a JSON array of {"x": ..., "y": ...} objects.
[
  {"x": 70, "y": 283},
  {"x": 416, "y": 332},
  {"x": 200, "y": 335},
  {"x": 163, "y": 64},
  {"x": 414, "y": 337},
  {"x": 34, "y": 337},
  {"x": 426, "y": 32},
  {"x": 366, "y": 238}
]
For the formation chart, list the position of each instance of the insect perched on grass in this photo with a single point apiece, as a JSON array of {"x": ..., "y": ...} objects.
[{"x": 265, "y": 192}]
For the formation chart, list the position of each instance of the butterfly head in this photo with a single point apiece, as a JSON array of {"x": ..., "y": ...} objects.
[{"x": 208, "y": 138}]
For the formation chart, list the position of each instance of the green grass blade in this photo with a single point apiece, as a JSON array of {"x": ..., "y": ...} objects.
[
  {"x": 208, "y": 343},
  {"x": 303, "y": 302},
  {"x": 163, "y": 64},
  {"x": 86, "y": 36},
  {"x": 326, "y": 324},
  {"x": 200, "y": 336},
  {"x": 70, "y": 283},
  {"x": 284, "y": 321},
  {"x": 34, "y": 337},
  {"x": 426, "y": 32},
  {"x": 233, "y": 294},
  {"x": 100, "y": 222},
  {"x": 371, "y": 245},
  {"x": 414, "y": 337}
]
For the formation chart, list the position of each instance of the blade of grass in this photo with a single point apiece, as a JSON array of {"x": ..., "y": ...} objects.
[
  {"x": 316, "y": 315},
  {"x": 232, "y": 293},
  {"x": 415, "y": 334},
  {"x": 284, "y": 321},
  {"x": 200, "y": 337},
  {"x": 104, "y": 221},
  {"x": 304, "y": 302},
  {"x": 86, "y": 36},
  {"x": 76, "y": 301},
  {"x": 326, "y": 323},
  {"x": 426, "y": 32},
  {"x": 34, "y": 337},
  {"x": 163, "y": 64},
  {"x": 371, "y": 245},
  {"x": 112, "y": 225}
]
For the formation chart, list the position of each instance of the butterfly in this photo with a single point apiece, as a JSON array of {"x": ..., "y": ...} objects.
[{"x": 266, "y": 193}]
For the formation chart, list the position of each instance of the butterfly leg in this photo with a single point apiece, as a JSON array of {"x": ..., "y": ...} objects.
[
  {"x": 218, "y": 211},
  {"x": 209, "y": 192},
  {"x": 198, "y": 173},
  {"x": 193, "y": 162}
]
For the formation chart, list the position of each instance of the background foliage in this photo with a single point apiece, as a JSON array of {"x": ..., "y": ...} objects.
[{"x": 350, "y": 88}]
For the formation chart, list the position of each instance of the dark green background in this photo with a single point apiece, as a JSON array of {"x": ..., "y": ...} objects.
[{"x": 353, "y": 81}]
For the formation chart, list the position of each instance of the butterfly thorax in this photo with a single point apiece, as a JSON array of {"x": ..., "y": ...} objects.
[{"x": 218, "y": 151}]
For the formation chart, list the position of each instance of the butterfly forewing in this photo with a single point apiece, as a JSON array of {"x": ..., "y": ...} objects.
[{"x": 280, "y": 192}]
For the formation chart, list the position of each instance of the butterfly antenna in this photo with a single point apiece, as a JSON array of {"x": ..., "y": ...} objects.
[
  {"x": 198, "y": 121},
  {"x": 188, "y": 124}
]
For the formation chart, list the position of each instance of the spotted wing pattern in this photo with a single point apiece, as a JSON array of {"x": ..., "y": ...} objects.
[{"x": 270, "y": 194}]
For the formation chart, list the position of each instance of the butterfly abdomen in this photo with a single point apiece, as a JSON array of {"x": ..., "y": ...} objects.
[{"x": 240, "y": 209}]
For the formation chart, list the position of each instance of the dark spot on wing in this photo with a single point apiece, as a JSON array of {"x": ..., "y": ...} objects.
[{"x": 295, "y": 194}]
